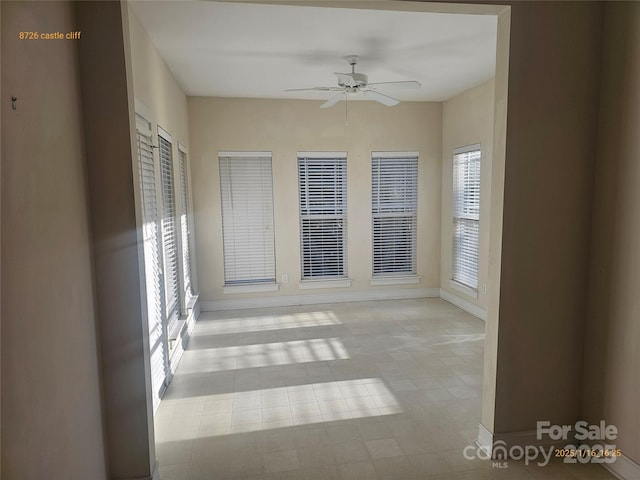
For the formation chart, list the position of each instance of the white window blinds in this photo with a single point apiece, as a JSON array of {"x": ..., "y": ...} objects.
[
  {"x": 152, "y": 259},
  {"x": 466, "y": 215},
  {"x": 394, "y": 205},
  {"x": 184, "y": 228},
  {"x": 322, "y": 182},
  {"x": 246, "y": 187},
  {"x": 169, "y": 232}
]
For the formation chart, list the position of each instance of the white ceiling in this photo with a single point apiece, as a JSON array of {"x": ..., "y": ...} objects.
[{"x": 248, "y": 50}]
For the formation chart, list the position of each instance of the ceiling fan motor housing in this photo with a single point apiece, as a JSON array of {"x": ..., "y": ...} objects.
[{"x": 356, "y": 80}]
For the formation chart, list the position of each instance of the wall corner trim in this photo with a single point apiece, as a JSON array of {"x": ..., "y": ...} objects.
[{"x": 465, "y": 305}]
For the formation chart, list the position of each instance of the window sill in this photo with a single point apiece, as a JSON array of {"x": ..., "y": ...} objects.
[
  {"x": 193, "y": 299},
  {"x": 251, "y": 288},
  {"x": 395, "y": 280},
  {"x": 175, "y": 328},
  {"x": 468, "y": 291},
  {"x": 312, "y": 284}
]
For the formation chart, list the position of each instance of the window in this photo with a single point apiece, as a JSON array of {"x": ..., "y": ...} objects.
[
  {"x": 394, "y": 205},
  {"x": 466, "y": 215},
  {"x": 169, "y": 232},
  {"x": 184, "y": 228},
  {"x": 322, "y": 179},
  {"x": 153, "y": 269},
  {"x": 246, "y": 188}
]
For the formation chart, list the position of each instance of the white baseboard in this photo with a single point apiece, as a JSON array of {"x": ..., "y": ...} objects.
[
  {"x": 529, "y": 437},
  {"x": 463, "y": 304},
  {"x": 488, "y": 440},
  {"x": 154, "y": 476},
  {"x": 624, "y": 468},
  {"x": 318, "y": 298},
  {"x": 485, "y": 439}
]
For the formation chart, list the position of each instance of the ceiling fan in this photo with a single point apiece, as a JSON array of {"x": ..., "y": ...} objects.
[{"x": 354, "y": 83}]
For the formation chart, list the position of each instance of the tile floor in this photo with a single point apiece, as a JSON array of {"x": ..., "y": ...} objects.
[{"x": 370, "y": 390}]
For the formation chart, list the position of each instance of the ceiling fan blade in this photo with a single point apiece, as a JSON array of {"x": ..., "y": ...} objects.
[
  {"x": 322, "y": 89},
  {"x": 380, "y": 98},
  {"x": 332, "y": 101},
  {"x": 409, "y": 84}
]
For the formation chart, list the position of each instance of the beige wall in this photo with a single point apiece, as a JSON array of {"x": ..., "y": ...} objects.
[
  {"x": 467, "y": 119},
  {"x": 51, "y": 402},
  {"x": 155, "y": 86},
  {"x": 496, "y": 201},
  {"x": 105, "y": 66},
  {"x": 535, "y": 337},
  {"x": 287, "y": 126},
  {"x": 553, "y": 90},
  {"x": 1, "y": 155},
  {"x": 612, "y": 357}
]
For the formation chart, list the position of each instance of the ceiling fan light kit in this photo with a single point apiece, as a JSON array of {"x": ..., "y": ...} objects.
[{"x": 356, "y": 83}]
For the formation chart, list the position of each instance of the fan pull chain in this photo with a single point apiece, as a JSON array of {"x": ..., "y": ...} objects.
[{"x": 346, "y": 109}]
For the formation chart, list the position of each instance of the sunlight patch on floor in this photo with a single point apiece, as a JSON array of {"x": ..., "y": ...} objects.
[
  {"x": 262, "y": 355},
  {"x": 281, "y": 407},
  {"x": 266, "y": 323}
]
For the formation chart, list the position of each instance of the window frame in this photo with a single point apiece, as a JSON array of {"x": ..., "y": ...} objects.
[
  {"x": 173, "y": 313},
  {"x": 338, "y": 162},
  {"x": 466, "y": 221},
  {"x": 382, "y": 209},
  {"x": 232, "y": 281},
  {"x": 152, "y": 268},
  {"x": 186, "y": 252}
]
